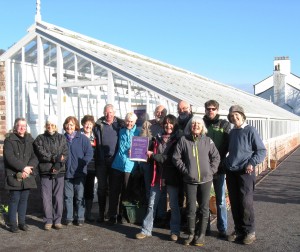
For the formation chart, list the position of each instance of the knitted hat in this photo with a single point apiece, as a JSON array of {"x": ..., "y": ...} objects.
[
  {"x": 52, "y": 119},
  {"x": 236, "y": 108}
]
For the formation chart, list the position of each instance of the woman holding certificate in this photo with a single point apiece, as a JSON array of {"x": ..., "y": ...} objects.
[
  {"x": 164, "y": 174},
  {"x": 122, "y": 167}
]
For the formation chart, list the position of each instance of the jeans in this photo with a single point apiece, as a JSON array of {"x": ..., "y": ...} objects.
[
  {"x": 161, "y": 208},
  {"x": 52, "y": 191},
  {"x": 241, "y": 189},
  {"x": 74, "y": 187},
  {"x": 17, "y": 204},
  {"x": 219, "y": 186},
  {"x": 155, "y": 194}
]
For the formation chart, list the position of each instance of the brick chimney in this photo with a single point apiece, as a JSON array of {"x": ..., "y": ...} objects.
[{"x": 282, "y": 68}]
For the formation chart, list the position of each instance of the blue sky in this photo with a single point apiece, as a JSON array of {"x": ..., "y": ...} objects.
[{"x": 232, "y": 41}]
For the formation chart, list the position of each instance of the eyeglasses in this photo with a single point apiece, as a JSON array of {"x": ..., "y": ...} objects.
[
  {"x": 213, "y": 109},
  {"x": 50, "y": 125}
]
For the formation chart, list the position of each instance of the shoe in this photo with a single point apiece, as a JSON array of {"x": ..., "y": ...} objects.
[
  {"x": 48, "y": 227},
  {"x": 222, "y": 234},
  {"x": 188, "y": 241},
  {"x": 100, "y": 219},
  {"x": 174, "y": 237},
  {"x": 79, "y": 223},
  {"x": 58, "y": 226},
  {"x": 141, "y": 236},
  {"x": 112, "y": 221},
  {"x": 199, "y": 241},
  {"x": 235, "y": 236},
  {"x": 89, "y": 218},
  {"x": 23, "y": 227},
  {"x": 249, "y": 238},
  {"x": 14, "y": 229},
  {"x": 69, "y": 223},
  {"x": 121, "y": 219}
]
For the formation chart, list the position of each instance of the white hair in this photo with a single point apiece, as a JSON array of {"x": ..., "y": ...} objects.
[
  {"x": 130, "y": 115},
  {"x": 195, "y": 119}
]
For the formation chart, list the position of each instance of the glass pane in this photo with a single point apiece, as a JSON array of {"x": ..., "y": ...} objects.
[
  {"x": 31, "y": 52},
  {"x": 49, "y": 53}
]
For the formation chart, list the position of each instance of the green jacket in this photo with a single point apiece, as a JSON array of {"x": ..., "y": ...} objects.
[{"x": 218, "y": 131}]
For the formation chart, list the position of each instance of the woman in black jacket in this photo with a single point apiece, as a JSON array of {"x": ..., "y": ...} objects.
[
  {"x": 20, "y": 163},
  {"x": 52, "y": 150}
]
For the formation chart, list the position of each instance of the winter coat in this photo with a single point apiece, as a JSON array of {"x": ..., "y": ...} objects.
[
  {"x": 122, "y": 161},
  {"x": 101, "y": 150},
  {"x": 48, "y": 149},
  {"x": 196, "y": 158},
  {"x": 91, "y": 165},
  {"x": 218, "y": 131},
  {"x": 161, "y": 160},
  {"x": 80, "y": 154},
  {"x": 17, "y": 155}
]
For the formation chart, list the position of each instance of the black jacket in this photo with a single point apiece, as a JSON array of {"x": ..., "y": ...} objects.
[
  {"x": 98, "y": 132},
  {"x": 165, "y": 169},
  {"x": 197, "y": 159},
  {"x": 17, "y": 155},
  {"x": 48, "y": 149}
]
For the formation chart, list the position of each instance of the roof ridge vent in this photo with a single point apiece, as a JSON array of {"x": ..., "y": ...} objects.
[{"x": 38, "y": 17}]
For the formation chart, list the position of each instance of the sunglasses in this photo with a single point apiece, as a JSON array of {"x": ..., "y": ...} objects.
[{"x": 213, "y": 109}]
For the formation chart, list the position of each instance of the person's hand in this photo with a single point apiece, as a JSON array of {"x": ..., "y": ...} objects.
[
  {"x": 62, "y": 158},
  {"x": 249, "y": 169},
  {"x": 28, "y": 169},
  {"x": 25, "y": 175},
  {"x": 149, "y": 153}
]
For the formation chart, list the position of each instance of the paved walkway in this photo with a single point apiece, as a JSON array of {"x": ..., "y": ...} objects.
[{"x": 277, "y": 208}]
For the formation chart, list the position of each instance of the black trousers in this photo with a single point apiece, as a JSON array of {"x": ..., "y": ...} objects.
[
  {"x": 118, "y": 184},
  {"x": 201, "y": 194},
  {"x": 240, "y": 187},
  {"x": 89, "y": 185},
  {"x": 102, "y": 173}
]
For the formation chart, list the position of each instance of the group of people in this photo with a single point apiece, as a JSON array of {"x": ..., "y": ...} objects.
[{"x": 187, "y": 155}]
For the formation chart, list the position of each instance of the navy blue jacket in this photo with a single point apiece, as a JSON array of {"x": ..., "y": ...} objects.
[{"x": 80, "y": 154}]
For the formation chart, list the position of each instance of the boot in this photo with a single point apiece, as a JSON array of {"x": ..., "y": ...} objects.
[
  {"x": 208, "y": 232},
  {"x": 201, "y": 228},
  {"x": 102, "y": 205},
  {"x": 191, "y": 229},
  {"x": 88, "y": 210}
]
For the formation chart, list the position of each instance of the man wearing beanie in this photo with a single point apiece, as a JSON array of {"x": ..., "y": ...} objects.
[{"x": 246, "y": 150}]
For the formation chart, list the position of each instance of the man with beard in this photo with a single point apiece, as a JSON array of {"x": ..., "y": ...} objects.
[
  {"x": 151, "y": 129},
  {"x": 184, "y": 110},
  {"x": 184, "y": 115}
]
